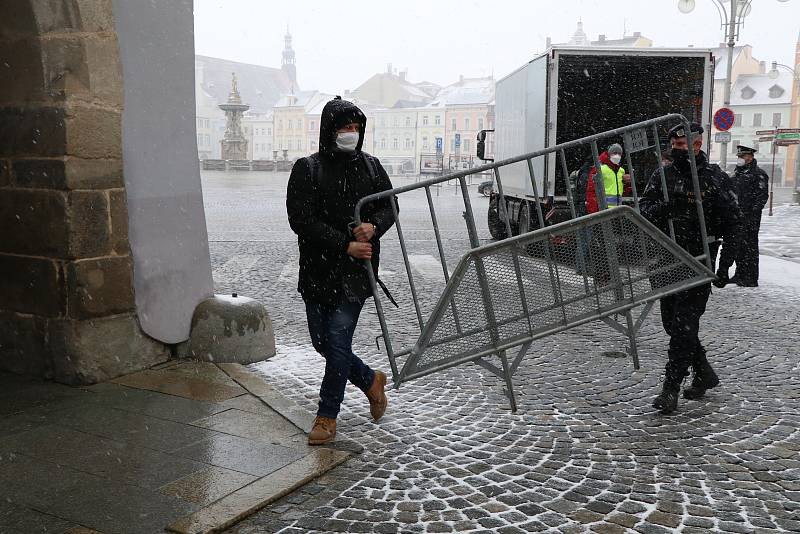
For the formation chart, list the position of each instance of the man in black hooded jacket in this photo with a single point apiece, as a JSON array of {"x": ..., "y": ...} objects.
[
  {"x": 681, "y": 312},
  {"x": 321, "y": 197}
]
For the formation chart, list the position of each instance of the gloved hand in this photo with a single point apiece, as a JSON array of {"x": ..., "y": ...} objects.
[{"x": 722, "y": 277}]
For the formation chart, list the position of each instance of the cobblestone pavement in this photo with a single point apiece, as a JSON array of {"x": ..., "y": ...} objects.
[{"x": 585, "y": 451}]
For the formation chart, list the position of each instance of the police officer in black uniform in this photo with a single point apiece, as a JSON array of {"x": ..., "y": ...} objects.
[
  {"x": 681, "y": 312},
  {"x": 752, "y": 191}
]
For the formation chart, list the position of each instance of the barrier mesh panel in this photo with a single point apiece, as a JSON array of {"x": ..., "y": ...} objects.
[{"x": 550, "y": 280}]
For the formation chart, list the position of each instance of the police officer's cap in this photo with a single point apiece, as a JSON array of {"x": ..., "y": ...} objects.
[
  {"x": 741, "y": 150},
  {"x": 680, "y": 130}
]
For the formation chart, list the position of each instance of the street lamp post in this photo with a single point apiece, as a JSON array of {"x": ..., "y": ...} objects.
[{"x": 731, "y": 19}]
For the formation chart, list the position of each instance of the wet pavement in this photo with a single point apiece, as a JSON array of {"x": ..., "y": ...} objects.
[
  {"x": 190, "y": 446},
  {"x": 585, "y": 452}
]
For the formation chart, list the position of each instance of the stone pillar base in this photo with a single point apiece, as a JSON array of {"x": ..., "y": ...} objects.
[
  {"x": 230, "y": 329},
  {"x": 77, "y": 352}
]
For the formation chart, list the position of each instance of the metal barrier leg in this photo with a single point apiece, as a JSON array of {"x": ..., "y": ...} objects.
[
  {"x": 509, "y": 382},
  {"x": 634, "y": 350}
]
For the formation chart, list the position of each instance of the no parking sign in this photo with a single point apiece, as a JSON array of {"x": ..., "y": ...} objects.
[{"x": 723, "y": 119}]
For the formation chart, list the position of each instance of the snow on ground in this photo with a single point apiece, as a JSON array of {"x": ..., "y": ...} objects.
[{"x": 780, "y": 273}]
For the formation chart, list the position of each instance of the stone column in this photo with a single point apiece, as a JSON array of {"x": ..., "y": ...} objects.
[{"x": 66, "y": 285}]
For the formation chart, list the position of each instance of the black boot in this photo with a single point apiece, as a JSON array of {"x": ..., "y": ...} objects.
[
  {"x": 667, "y": 401},
  {"x": 703, "y": 378}
]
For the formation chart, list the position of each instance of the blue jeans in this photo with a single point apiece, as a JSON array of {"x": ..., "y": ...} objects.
[{"x": 331, "y": 329}]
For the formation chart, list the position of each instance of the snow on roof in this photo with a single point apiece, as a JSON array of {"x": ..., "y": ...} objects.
[
  {"x": 259, "y": 86},
  {"x": 469, "y": 91},
  {"x": 760, "y": 90}
]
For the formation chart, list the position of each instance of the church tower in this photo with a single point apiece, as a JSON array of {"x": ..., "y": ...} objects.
[{"x": 288, "y": 61}]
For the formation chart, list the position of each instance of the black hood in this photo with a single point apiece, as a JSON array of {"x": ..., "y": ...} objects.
[{"x": 336, "y": 114}]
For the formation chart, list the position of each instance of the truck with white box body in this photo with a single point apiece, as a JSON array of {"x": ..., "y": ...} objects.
[{"x": 568, "y": 93}]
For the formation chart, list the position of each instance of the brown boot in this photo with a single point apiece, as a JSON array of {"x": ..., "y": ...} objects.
[
  {"x": 376, "y": 396},
  {"x": 323, "y": 431}
]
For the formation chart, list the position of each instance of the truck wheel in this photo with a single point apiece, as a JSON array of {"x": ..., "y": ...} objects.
[{"x": 497, "y": 228}]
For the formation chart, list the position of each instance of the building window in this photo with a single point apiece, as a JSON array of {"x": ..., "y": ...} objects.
[
  {"x": 383, "y": 122},
  {"x": 313, "y": 145},
  {"x": 776, "y": 91},
  {"x": 425, "y": 143},
  {"x": 312, "y": 125},
  {"x": 480, "y": 124},
  {"x": 465, "y": 145},
  {"x": 207, "y": 139},
  {"x": 289, "y": 124},
  {"x": 424, "y": 120},
  {"x": 280, "y": 124},
  {"x": 407, "y": 143},
  {"x": 737, "y": 119},
  {"x": 383, "y": 142},
  {"x": 452, "y": 144},
  {"x": 756, "y": 119},
  {"x": 300, "y": 125},
  {"x": 466, "y": 123},
  {"x": 395, "y": 143},
  {"x": 734, "y": 144},
  {"x": 408, "y": 122},
  {"x": 269, "y": 131},
  {"x": 394, "y": 122},
  {"x": 454, "y": 124},
  {"x": 776, "y": 119},
  {"x": 199, "y": 139},
  {"x": 437, "y": 120}
]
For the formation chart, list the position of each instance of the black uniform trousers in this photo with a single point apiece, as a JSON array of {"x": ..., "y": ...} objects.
[
  {"x": 680, "y": 315},
  {"x": 747, "y": 255}
]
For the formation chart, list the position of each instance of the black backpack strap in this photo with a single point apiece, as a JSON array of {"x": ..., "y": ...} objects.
[{"x": 371, "y": 169}]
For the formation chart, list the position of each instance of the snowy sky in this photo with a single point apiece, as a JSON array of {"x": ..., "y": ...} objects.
[{"x": 341, "y": 44}]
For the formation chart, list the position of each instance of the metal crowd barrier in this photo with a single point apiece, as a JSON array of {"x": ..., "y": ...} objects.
[{"x": 506, "y": 294}]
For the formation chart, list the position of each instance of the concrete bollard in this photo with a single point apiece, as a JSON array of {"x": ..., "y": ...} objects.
[{"x": 231, "y": 329}]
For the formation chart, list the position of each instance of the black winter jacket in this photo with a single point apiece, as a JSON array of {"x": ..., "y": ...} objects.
[
  {"x": 722, "y": 215},
  {"x": 321, "y": 197},
  {"x": 752, "y": 187}
]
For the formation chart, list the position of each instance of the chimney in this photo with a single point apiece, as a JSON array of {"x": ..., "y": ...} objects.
[
  {"x": 388, "y": 68},
  {"x": 762, "y": 67},
  {"x": 460, "y": 78},
  {"x": 403, "y": 74},
  {"x": 548, "y": 42},
  {"x": 601, "y": 37},
  {"x": 347, "y": 92},
  {"x": 637, "y": 34}
]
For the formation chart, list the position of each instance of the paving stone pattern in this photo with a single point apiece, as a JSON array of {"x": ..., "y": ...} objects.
[{"x": 585, "y": 452}]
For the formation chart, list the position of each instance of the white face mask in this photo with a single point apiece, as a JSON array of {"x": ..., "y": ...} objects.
[
  {"x": 347, "y": 141},
  {"x": 741, "y": 162},
  {"x": 615, "y": 159}
]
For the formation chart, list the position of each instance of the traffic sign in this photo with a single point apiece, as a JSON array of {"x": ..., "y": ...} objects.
[
  {"x": 787, "y": 142},
  {"x": 787, "y": 135},
  {"x": 766, "y": 139},
  {"x": 723, "y": 119},
  {"x": 765, "y": 132},
  {"x": 439, "y": 144},
  {"x": 722, "y": 137},
  {"x": 788, "y": 130},
  {"x": 458, "y": 140}
]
